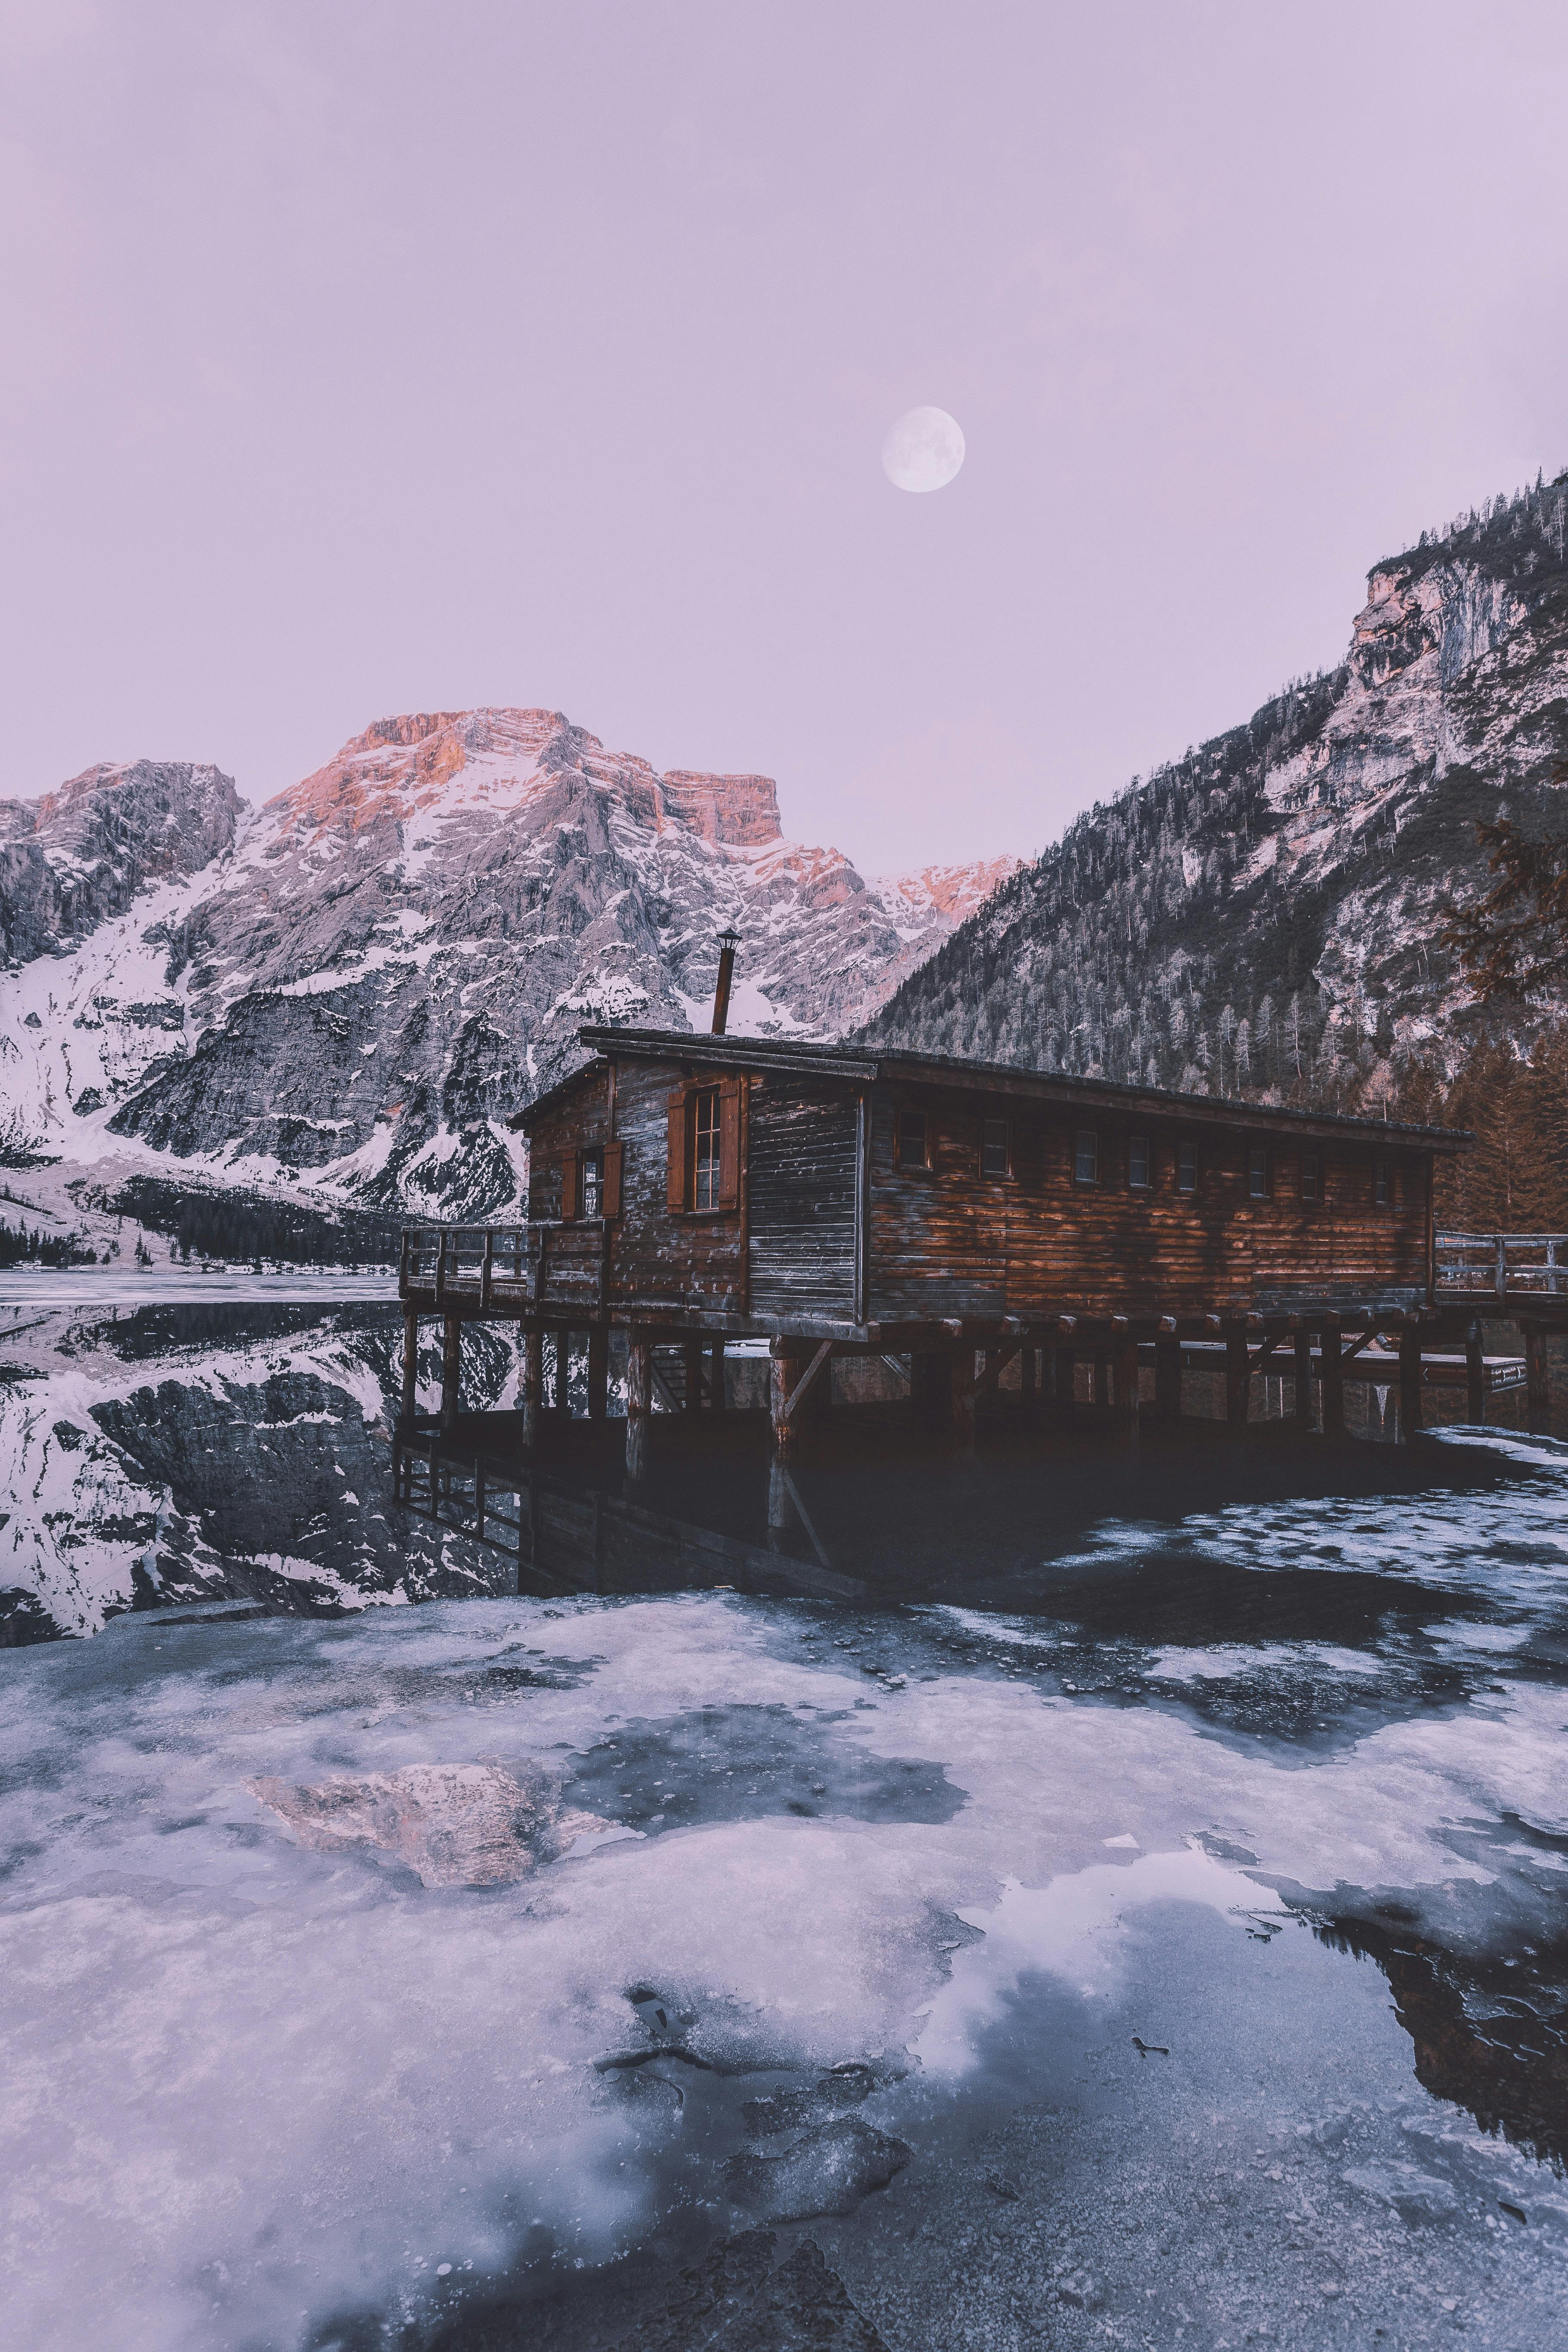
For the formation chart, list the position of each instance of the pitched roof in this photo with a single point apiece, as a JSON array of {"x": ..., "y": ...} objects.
[{"x": 863, "y": 1066}]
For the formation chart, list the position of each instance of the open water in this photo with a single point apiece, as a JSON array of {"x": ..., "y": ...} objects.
[{"x": 1141, "y": 1919}]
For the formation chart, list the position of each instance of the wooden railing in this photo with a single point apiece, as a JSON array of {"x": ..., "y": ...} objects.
[
  {"x": 1503, "y": 1265},
  {"x": 514, "y": 1264}
]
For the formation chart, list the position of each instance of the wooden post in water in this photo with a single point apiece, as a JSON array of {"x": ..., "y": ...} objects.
[
  {"x": 1236, "y": 1382},
  {"x": 961, "y": 1390},
  {"x": 786, "y": 1372},
  {"x": 1409, "y": 1384},
  {"x": 1475, "y": 1377},
  {"x": 1127, "y": 1388},
  {"x": 1334, "y": 1375},
  {"x": 1102, "y": 1382},
  {"x": 1303, "y": 1412},
  {"x": 532, "y": 1382},
  {"x": 1168, "y": 1379},
  {"x": 691, "y": 1354},
  {"x": 451, "y": 1358},
  {"x": 639, "y": 1403},
  {"x": 598, "y": 1373},
  {"x": 1066, "y": 1381},
  {"x": 716, "y": 1376},
  {"x": 1538, "y": 1378},
  {"x": 410, "y": 1367}
]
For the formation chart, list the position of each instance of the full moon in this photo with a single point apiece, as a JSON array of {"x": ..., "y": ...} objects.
[{"x": 923, "y": 451}]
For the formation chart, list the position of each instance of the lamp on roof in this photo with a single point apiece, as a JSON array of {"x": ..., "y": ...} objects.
[{"x": 728, "y": 941}]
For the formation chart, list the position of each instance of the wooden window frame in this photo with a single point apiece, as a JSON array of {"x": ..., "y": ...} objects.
[
  {"x": 1257, "y": 1153},
  {"x": 904, "y": 1113},
  {"x": 1383, "y": 1189},
  {"x": 1145, "y": 1185},
  {"x": 1092, "y": 1136},
  {"x": 1185, "y": 1144},
  {"x": 681, "y": 1184},
  {"x": 571, "y": 1162},
  {"x": 1314, "y": 1161},
  {"x": 1003, "y": 1174}
]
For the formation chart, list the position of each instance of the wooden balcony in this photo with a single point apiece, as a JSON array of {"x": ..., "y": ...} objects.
[
  {"x": 518, "y": 1266},
  {"x": 1510, "y": 1269}
]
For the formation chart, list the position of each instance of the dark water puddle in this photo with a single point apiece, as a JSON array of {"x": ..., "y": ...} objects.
[{"x": 736, "y": 1763}]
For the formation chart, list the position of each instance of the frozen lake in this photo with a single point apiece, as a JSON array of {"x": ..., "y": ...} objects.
[{"x": 1145, "y": 1922}]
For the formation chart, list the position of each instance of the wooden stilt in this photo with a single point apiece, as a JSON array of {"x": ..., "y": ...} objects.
[
  {"x": 1409, "y": 1385},
  {"x": 716, "y": 1396},
  {"x": 1067, "y": 1380},
  {"x": 451, "y": 1358},
  {"x": 1026, "y": 1376},
  {"x": 962, "y": 1368},
  {"x": 1168, "y": 1379},
  {"x": 1127, "y": 1388},
  {"x": 1537, "y": 1373},
  {"x": 639, "y": 1403},
  {"x": 1475, "y": 1377},
  {"x": 787, "y": 1372},
  {"x": 561, "y": 1400},
  {"x": 1304, "y": 1412},
  {"x": 1102, "y": 1382},
  {"x": 691, "y": 1357},
  {"x": 781, "y": 1508},
  {"x": 1237, "y": 1381},
  {"x": 598, "y": 1374},
  {"x": 1334, "y": 1377},
  {"x": 410, "y": 1399},
  {"x": 532, "y": 1383}
]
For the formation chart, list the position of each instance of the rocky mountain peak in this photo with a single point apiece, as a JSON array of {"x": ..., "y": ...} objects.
[{"x": 84, "y": 851}]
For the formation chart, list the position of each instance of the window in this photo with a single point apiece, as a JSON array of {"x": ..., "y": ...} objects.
[
  {"x": 1311, "y": 1178},
  {"x": 1187, "y": 1167},
  {"x": 1138, "y": 1163},
  {"x": 913, "y": 1139},
  {"x": 592, "y": 1184},
  {"x": 1086, "y": 1156},
  {"x": 995, "y": 1158},
  {"x": 1380, "y": 1182},
  {"x": 1257, "y": 1172},
  {"x": 706, "y": 1151}
]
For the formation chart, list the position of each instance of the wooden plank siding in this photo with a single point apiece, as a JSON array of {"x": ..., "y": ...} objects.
[
  {"x": 802, "y": 1212},
  {"x": 947, "y": 1240}
]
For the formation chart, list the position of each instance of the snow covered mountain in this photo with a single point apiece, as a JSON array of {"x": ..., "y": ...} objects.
[
  {"x": 1262, "y": 915},
  {"x": 345, "y": 993}
]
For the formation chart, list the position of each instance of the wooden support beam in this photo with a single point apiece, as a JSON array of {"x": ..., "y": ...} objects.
[
  {"x": 1168, "y": 1379},
  {"x": 1027, "y": 1375},
  {"x": 639, "y": 1403},
  {"x": 716, "y": 1396},
  {"x": 994, "y": 1362},
  {"x": 822, "y": 1357},
  {"x": 1238, "y": 1380},
  {"x": 786, "y": 1372},
  {"x": 1334, "y": 1377},
  {"x": 1264, "y": 1353},
  {"x": 1102, "y": 1384},
  {"x": 532, "y": 1383},
  {"x": 691, "y": 1388},
  {"x": 1538, "y": 1379},
  {"x": 1066, "y": 1380},
  {"x": 1475, "y": 1377},
  {"x": 1127, "y": 1387},
  {"x": 451, "y": 1359},
  {"x": 1303, "y": 1412},
  {"x": 410, "y": 1397},
  {"x": 598, "y": 1373},
  {"x": 961, "y": 1391},
  {"x": 1409, "y": 1384}
]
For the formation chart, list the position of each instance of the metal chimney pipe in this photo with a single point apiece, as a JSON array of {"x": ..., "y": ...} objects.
[{"x": 728, "y": 942}]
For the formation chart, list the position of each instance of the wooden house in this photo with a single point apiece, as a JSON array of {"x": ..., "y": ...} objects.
[{"x": 843, "y": 1199}]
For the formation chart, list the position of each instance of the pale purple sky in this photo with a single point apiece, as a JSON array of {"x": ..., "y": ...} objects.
[{"x": 360, "y": 358}]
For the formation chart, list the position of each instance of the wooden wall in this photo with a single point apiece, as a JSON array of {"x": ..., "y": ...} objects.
[
  {"x": 947, "y": 1241},
  {"x": 802, "y": 1168}
]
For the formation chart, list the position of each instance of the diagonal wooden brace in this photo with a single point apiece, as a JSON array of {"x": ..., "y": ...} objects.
[
  {"x": 806, "y": 1378},
  {"x": 996, "y": 1362}
]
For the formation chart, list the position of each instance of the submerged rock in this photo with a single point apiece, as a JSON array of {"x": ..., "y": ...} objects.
[
  {"x": 828, "y": 2170},
  {"x": 455, "y": 1824}
]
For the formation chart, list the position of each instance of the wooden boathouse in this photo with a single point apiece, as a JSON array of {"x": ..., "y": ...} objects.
[{"x": 950, "y": 1216}]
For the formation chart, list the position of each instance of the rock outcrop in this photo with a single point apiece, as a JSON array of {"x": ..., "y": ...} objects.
[{"x": 1263, "y": 915}]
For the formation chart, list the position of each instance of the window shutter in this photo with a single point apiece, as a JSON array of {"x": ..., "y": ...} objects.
[
  {"x": 730, "y": 1144},
  {"x": 677, "y": 1195},
  {"x": 569, "y": 1202},
  {"x": 610, "y": 1189}
]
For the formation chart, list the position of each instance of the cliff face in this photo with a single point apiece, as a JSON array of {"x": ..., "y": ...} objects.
[
  {"x": 82, "y": 852},
  {"x": 361, "y": 982},
  {"x": 1262, "y": 915}
]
